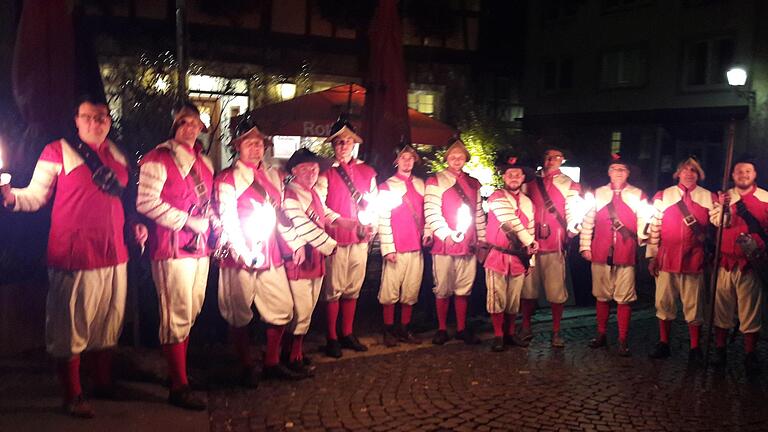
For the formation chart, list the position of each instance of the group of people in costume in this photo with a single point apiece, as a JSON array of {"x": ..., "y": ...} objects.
[{"x": 287, "y": 237}]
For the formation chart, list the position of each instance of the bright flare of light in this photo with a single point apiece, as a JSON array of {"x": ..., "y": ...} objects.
[
  {"x": 377, "y": 204},
  {"x": 645, "y": 210},
  {"x": 582, "y": 206},
  {"x": 737, "y": 76},
  {"x": 5, "y": 178},
  {"x": 463, "y": 220},
  {"x": 258, "y": 229}
]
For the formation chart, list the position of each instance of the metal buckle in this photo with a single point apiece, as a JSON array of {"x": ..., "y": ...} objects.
[
  {"x": 200, "y": 189},
  {"x": 689, "y": 220},
  {"x": 617, "y": 225}
]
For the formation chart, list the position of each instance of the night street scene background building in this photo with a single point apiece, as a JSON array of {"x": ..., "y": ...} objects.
[{"x": 645, "y": 79}]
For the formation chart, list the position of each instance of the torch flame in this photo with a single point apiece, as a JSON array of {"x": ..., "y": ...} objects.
[
  {"x": 1, "y": 159},
  {"x": 645, "y": 210},
  {"x": 376, "y": 204},
  {"x": 463, "y": 221},
  {"x": 258, "y": 228}
]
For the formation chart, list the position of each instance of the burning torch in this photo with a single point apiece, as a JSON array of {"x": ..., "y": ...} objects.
[
  {"x": 582, "y": 206},
  {"x": 384, "y": 201},
  {"x": 258, "y": 228},
  {"x": 645, "y": 211},
  {"x": 463, "y": 221},
  {"x": 5, "y": 178}
]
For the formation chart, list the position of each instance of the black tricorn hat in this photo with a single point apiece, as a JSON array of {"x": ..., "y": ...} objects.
[
  {"x": 343, "y": 127},
  {"x": 304, "y": 155},
  {"x": 506, "y": 160}
]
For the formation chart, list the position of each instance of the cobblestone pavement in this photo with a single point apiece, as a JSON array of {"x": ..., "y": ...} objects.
[{"x": 461, "y": 388}]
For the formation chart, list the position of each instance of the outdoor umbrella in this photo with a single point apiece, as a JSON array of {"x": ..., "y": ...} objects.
[{"x": 313, "y": 115}]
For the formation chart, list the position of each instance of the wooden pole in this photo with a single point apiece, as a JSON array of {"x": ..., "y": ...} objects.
[
  {"x": 181, "y": 47},
  {"x": 719, "y": 239}
]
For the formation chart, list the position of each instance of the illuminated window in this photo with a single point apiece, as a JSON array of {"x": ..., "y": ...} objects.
[
  {"x": 615, "y": 142},
  {"x": 421, "y": 101}
]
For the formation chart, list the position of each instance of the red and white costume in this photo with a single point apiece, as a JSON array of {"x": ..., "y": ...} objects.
[
  {"x": 453, "y": 267},
  {"x": 309, "y": 216},
  {"x": 739, "y": 290},
  {"x": 400, "y": 232},
  {"x": 86, "y": 257},
  {"x": 264, "y": 285},
  {"x": 679, "y": 252},
  {"x": 345, "y": 270},
  {"x": 550, "y": 270},
  {"x": 505, "y": 272},
  {"x": 166, "y": 195},
  {"x": 613, "y": 251}
]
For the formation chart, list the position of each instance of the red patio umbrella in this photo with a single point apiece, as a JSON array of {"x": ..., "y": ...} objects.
[{"x": 313, "y": 115}]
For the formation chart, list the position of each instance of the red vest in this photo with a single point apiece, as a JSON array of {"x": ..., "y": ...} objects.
[
  {"x": 756, "y": 202},
  {"x": 309, "y": 203},
  {"x": 406, "y": 221},
  {"x": 178, "y": 191},
  {"x": 523, "y": 217},
  {"x": 441, "y": 207},
  {"x": 338, "y": 198},
  {"x": 603, "y": 237},
  {"x": 86, "y": 223},
  {"x": 561, "y": 189}
]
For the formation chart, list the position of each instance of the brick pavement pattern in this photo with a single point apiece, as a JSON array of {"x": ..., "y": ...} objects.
[{"x": 462, "y": 388}]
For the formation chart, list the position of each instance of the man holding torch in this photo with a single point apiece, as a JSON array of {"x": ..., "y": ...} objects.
[
  {"x": 511, "y": 237},
  {"x": 609, "y": 239},
  {"x": 346, "y": 188},
  {"x": 249, "y": 200},
  {"x": 678, "y": 231},
  {"x": 739, "y": 289},
  {"x": 86, "y": 252},
  {"x": 453, "y": 212},
  {"x": 402, "y": 234},
  {"x": 175, "y": 181},
  {"x": 554, "y": 197}
]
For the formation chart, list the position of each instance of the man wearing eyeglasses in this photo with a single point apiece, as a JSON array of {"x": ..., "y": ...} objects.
[
  {"x": 609, "y": 240},
  {"x": 87, "y": 255},
  {"x": 553, "y": 194}
]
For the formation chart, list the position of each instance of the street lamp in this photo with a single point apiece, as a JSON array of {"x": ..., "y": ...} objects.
[
  {"x": 737, "y": 78},
  {"x": 286, "y": 90}
]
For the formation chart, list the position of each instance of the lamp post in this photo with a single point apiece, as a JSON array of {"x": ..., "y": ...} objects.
[{"x": 737, "y": 78}]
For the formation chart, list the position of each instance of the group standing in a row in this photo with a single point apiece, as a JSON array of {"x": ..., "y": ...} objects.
[{"x": 283, "y": 243}]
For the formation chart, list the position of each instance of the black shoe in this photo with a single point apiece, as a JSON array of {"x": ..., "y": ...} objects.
[
  {"x": 79, "y": 407},
  {"x": 721, "y": 357},
  {"x": 390, "y": 338},
  {"x": 249, "y": 378},
  {"x": 306, "y": 360},
  {"x": 752, "y": 363},
  {"x": 299, "y": 367},
  {"x": 525, "y": 334},
  {"x": 441, "y": 337},
  {"x": 661, "y": 351},
  {"x": 695, "y": 357},
  {"x": 406, "y": 336},
  {"x": 623, "y": 349},
  {"x": 498, "y": 344},
  {"x": 599, "y": 341},
  {"x": 351, "y": 342},
  {"x": 468, "y": 337},
  {"x": 185, "y": 398},
  {"x": 515, "y": 340},
  {"x": 280, "y": 372},
  {"x": 333, "y": 348}
]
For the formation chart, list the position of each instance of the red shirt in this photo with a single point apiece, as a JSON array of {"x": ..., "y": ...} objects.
[
  {"x": 338, "y": 198},
  {"x": 515, "y": 210},
  {"x": 756, "y": 201},
  {"x": 675, "y": 245},
  {"x": 597, "y": 233},
  {"x": 86, "y": 223},
  {"x": 561, "y": 190},
  {"x": 401, "y": 229},
  {"x": 441, "y": 207}
]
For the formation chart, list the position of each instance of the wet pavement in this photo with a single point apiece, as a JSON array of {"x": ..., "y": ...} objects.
[{"x": 468, "y": 388}]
